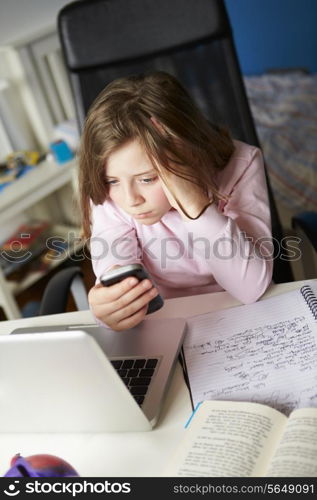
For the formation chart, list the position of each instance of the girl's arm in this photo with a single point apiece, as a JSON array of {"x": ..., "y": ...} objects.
[
  {"x": 239, "y": 234},
  {"x": 113, "y": 240},
  {"x": 240, "y": 263},
  {"x": 114, "y": 243}
]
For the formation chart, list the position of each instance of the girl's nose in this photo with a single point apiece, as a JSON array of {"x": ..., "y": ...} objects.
[{"x": 133, "y": 197}]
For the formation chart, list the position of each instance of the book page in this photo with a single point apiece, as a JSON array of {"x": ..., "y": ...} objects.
[
  {"x": 296, "y": 455},
  {"x": 228, "y": 439},
  {"x": 264, "y": 352}
]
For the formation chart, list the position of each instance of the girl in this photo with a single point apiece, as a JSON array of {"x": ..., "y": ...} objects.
[{"x": 163, "y": 187}]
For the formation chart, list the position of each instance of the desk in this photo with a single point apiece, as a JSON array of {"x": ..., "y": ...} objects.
[{"x": 128, "y": 454}]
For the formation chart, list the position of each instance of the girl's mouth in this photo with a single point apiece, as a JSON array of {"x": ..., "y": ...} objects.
[{"x": 142, "y": 216}]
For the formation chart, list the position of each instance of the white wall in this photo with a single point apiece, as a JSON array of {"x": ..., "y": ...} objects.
[
  {"x": 27, "y": 30},
  {"x": 20, "y": 19}
]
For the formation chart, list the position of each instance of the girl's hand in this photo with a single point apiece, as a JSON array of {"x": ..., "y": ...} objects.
[
  {"x": 190, "y": 196},
  {"x": 183, "y": 195},
  {"x": 123, "y": 305}
]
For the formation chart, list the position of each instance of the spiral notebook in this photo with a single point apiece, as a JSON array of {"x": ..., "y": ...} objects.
[{"x": 264, "y": 352}]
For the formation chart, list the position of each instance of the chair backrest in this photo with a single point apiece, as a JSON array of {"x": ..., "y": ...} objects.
[
  {"x": 190, "y": 39},
  {"x": 55, "y": 297}
]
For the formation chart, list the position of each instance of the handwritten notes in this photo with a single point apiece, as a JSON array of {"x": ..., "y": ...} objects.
[{"x": 264, "y": 352}]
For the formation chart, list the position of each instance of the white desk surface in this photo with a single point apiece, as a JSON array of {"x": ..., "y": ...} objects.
[{"x": 126, "y": 454}]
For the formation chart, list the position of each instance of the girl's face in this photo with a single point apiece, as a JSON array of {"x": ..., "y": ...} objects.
[{"x": 134, "y": 185}]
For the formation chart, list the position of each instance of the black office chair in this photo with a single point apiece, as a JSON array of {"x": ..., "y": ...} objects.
[
  {"x": 64, "y": 282},
  {"x": 190, "y": 39},
  {"x": 305, "y": 226}
]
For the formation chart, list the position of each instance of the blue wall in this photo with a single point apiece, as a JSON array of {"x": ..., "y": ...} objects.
[{"x": 274, "y": 33}]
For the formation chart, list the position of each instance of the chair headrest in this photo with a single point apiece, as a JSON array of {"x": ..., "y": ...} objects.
[{"x": 111, "y": 28}]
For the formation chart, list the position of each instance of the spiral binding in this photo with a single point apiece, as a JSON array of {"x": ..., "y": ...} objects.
[{"x": 310, "y": 299}]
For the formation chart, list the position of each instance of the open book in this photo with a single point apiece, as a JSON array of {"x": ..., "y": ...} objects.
[
  {"x": 264, "y": 352},
  {"x": 234, "y": 439}
]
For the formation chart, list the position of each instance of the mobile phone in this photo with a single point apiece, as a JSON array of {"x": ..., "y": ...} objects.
[{"x": 115, "y": 275}]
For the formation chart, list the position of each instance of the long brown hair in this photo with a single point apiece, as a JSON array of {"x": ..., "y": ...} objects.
[{"x": 185, "y": 143}]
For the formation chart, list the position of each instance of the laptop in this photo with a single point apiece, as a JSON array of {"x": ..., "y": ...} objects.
[{"x": 87, "y": 378}]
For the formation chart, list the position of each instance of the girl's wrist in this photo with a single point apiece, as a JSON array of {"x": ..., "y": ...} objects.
[{"x": 196, "y": 211}]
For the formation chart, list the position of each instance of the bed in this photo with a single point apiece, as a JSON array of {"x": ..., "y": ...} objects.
[{"x": 284, "y": 107}]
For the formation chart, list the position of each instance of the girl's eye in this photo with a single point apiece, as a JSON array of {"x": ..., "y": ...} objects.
[
  {"x": 111, "y": 183},
  {"x": 148, "y": 180},
  {"x": 145, "y": 180}
]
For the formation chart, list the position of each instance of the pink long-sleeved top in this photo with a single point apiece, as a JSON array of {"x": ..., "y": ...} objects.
[{"x": 229, "y": 247}]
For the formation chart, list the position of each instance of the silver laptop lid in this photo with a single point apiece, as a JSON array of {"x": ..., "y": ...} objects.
[{"x": 63, "y": 382}]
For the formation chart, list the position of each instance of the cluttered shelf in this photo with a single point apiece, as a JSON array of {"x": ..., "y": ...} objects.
[
  {"x": 37, "y": 218},
  {"x": 34, "y": 250},
  {"x": 38, "y": 182}
]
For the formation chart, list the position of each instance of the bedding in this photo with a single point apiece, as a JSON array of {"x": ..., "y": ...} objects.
[{"x": 284, "y": 108}]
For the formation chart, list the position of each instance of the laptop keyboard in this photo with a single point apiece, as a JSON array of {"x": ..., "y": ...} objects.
[{"x": 136, "y": 374}]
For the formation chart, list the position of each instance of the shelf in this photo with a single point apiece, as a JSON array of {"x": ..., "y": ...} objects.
[
  {"x": 67, "y": 233},
  {"x": 40, "y": 182}
]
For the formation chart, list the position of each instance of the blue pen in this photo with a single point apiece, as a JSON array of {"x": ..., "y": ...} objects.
[{"x": 190, "y": 418}]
